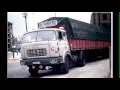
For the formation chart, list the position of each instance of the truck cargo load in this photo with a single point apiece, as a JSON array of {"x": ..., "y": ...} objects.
[{"x": 80, "y": 30}]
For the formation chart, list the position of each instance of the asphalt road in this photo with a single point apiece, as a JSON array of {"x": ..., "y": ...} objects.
[{"x": 95, "y": 69}]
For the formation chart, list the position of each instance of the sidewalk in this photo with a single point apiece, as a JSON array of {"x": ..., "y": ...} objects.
[{"x": 16, "y": 56}]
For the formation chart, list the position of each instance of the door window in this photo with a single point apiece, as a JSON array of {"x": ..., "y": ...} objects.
[{"x": 60, "y": 37}]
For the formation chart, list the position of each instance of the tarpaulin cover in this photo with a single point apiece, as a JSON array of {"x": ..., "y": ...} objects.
[{"x": 81, "y": 30}]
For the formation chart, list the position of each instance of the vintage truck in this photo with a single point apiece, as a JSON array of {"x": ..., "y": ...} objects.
[{"x": 61, "y": 42}]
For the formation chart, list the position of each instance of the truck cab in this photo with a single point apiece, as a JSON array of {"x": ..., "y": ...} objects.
[{"x": 45, "y": 47}]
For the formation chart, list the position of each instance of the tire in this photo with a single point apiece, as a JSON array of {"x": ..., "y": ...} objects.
[
  {"x": 62, "y": 68},
  {"x": 55, "y": 69},
  {"x": 106, "y": 53},
  {"x": 81, "y": 59}
]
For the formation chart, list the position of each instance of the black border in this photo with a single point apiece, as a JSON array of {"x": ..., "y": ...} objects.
[
  {"x": 115, "y": 45},
  {"x": 3, "y": 45},
  {"x": 3, "y": 36}
]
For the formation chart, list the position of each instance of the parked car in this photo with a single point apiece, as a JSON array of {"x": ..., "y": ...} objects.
[
  {"x": 18, "y": 47},
  {"x": 15, "y": 48}
]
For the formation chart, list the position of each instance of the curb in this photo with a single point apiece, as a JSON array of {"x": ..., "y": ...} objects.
[{"x": 12, "y": 60}]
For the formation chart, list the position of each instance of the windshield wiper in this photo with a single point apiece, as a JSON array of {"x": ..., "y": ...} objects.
[{"x": 41, "y": 39}]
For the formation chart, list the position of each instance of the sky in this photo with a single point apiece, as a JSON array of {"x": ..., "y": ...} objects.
[{"x": 33, "y": 18}]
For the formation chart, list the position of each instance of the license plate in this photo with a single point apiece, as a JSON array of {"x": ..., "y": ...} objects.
[{"x": 36, "y": 62}]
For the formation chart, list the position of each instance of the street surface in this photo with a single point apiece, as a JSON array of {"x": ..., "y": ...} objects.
[{"x": 94, "y": 69}]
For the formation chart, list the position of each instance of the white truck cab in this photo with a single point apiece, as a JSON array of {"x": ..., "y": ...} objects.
[{"x": 45, "y": 47}]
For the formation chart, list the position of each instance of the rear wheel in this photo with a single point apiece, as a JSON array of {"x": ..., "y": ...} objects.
[
  {"x": 106, "y": 53},
  {"x": 81, "y": 59}
]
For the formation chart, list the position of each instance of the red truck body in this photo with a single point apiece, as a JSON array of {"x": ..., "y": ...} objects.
[{"x": 78, "y": 44}]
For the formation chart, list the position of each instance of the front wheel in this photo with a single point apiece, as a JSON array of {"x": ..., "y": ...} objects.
[{"x": 62, "y": 68}]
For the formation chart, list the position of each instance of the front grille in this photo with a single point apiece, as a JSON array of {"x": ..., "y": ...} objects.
[{"x": 36, "y": 52}]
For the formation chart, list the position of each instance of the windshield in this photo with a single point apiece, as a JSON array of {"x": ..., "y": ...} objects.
[{"x": 39, "y": 36}]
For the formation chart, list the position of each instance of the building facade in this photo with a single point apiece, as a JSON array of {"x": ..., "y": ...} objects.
[
  {"x": 10, "y": 35},
  {"x": 101, "y": 19}
]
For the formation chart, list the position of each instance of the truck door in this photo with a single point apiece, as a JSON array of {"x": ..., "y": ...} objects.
[{"x": 61, "y": 42}]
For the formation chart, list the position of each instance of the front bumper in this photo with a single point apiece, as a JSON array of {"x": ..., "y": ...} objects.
[{"x": 42, "y": 61}]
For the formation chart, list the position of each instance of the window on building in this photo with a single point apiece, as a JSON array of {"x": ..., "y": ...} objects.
[
  {"x": 8, "y": 30},
  {"x": 8, "y": 35},
  {"x": 104, "y": 16},
  {"x": 11, "y": 26},
  {"x": 8, "y": 40},
  {"x": 8, "y": 45}
]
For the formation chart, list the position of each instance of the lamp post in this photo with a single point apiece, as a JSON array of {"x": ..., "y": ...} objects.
[
  {"x": 25, "y": 16},
  {"x": 55, "y": 14},
  {"x": 13, "y": 51}
]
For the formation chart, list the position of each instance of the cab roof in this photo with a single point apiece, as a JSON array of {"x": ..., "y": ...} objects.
[{"x": 56, "y": 29}]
